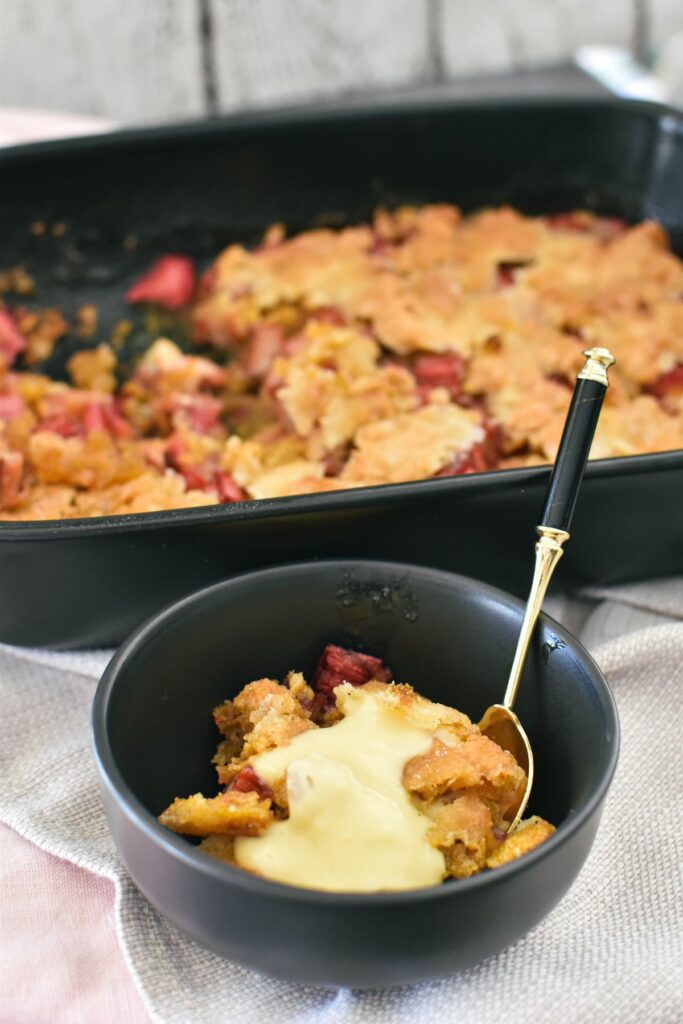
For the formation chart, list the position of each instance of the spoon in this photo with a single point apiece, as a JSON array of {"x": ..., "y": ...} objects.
[{"x": 499, "y": 721}]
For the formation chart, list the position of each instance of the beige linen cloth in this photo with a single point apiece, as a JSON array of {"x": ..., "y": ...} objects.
[{"x": 610, "y": 953}]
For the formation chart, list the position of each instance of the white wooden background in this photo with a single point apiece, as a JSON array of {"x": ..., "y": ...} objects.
[{"x": 153, "y": 60}]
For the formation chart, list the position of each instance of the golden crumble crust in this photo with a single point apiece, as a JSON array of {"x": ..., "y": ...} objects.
[
  {"x": 412, "y": 445},
  {"x": 527, "y": 836},
  {"x": 231, "y": 813},
  {"x": 423, "y": 343}
]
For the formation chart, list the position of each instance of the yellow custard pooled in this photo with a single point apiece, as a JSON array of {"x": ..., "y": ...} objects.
[{"x": 351, "y": 825}]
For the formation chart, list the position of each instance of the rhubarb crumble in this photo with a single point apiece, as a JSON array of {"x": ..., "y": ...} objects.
[
  {"x": 355, "y": 784},
  {"x": 423, "y": 344}
]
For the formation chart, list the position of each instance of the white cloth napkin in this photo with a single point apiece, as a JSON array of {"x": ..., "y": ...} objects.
[{"x": 610, "y": 953}]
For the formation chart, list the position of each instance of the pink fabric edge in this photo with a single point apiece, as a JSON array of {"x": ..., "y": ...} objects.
[{"x": 60, "y": 960}]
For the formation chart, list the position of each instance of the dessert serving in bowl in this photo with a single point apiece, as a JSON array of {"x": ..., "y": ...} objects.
[{"x": 453, "y": 640}]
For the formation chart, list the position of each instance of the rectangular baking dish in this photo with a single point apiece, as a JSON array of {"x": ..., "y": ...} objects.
[{"x": 192, "y": 188}]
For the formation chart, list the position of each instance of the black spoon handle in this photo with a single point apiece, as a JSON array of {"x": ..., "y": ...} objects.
[{"x": 577, "y": 437}]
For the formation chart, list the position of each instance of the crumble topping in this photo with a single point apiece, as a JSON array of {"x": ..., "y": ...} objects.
[{"x": 423, "y": 343}]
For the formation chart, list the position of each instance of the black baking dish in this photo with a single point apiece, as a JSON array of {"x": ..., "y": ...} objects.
[{"x": 193, "y": 188}]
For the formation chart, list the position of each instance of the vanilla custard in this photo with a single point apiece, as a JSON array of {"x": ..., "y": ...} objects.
[{"x": 351, "y": 825}]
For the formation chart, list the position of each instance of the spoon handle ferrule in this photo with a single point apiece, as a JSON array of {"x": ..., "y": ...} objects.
[{"x": 548, "y": 553}]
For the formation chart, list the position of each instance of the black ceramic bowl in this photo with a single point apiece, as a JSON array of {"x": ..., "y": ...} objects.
[{"x": 453, "y": 639}]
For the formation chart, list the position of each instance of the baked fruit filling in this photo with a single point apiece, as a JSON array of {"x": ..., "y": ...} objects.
[
  {"x": 355, "y": 784},
  {"x": 423, "y": 344}
]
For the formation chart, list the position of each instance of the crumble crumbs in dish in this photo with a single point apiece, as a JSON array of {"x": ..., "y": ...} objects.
[
  {"x": 423, "y": 344},
  {"x": 355, "y": 784}
]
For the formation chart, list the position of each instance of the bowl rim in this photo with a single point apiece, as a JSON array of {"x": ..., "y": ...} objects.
[{"x": 187, "y": 854}]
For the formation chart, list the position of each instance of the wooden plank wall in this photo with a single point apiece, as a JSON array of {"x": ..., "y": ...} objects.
[
  {"x": 130, "y": 60},
  {"x": 153, "y": 60}
]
